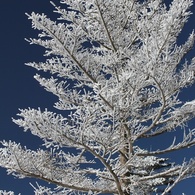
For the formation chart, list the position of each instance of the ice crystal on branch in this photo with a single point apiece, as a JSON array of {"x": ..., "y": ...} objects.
[{"x": 117, "y": 70}]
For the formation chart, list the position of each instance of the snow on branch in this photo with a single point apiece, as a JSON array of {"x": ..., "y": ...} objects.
[{"x": 118, "y": 72}]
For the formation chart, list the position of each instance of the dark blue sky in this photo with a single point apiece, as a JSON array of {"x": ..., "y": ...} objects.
[{"x": 20, "y": 90}]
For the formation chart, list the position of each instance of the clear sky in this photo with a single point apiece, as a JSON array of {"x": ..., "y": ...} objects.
[{"x": 20, "y": 90}]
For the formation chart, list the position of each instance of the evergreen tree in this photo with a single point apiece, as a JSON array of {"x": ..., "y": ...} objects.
[{"x": 117, "y": 71}]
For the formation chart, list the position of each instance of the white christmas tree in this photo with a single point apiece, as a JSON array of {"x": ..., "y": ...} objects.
[{"x": 118, "y": 71}]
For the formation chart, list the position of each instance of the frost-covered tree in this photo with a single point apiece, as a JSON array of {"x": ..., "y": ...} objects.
[{"x": 118, "y": 71}]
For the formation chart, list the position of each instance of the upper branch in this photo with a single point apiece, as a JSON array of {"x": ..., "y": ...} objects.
[{"x": 104, "y": 24}]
